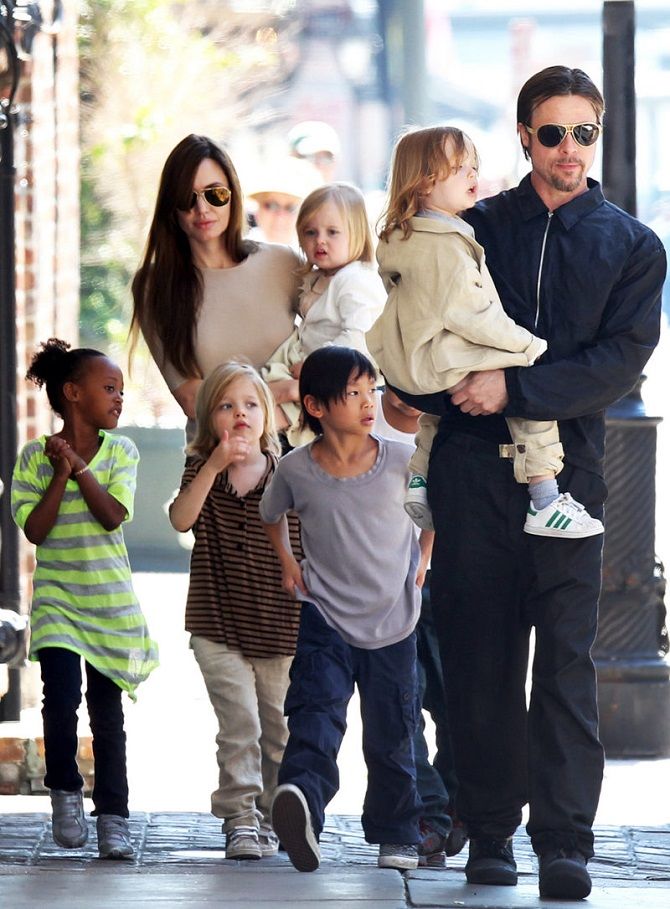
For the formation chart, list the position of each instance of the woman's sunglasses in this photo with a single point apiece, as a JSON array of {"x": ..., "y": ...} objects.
[
  {"x": 213, "y": 195},
  {"x": 552, "y": 134}
]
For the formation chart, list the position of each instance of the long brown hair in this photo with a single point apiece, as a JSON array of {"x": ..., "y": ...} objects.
[
  {"x": 419, "y": 158},
  {"x": 167, "y": 288}
]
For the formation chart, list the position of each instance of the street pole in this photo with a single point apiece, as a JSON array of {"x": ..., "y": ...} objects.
[
  {"x": 10, "y": 705},
  {"x": 630, "y": 651}
]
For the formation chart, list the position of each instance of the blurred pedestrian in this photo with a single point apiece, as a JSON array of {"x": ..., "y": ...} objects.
[{"x": 318, "y": 143}]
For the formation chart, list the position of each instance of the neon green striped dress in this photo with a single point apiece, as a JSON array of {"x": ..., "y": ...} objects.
[{"x": 83, "y": 598}]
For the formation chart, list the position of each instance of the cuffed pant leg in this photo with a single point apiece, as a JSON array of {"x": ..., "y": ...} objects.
[
  {"x": 271, "y": 686},
  {"x": 61, "y": 680},
  {"x": 231, "y": 686},
  {"x": 389, "y": 706},
  {"x": 105, "y": 711},
  {"x": 322, "y": 682}
]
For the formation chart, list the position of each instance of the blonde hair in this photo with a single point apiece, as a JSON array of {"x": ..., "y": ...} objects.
[
  {"x": 420, "y": 158},
  {"x": 351, "y": 205},
  {"x": 209, "y": 395}
]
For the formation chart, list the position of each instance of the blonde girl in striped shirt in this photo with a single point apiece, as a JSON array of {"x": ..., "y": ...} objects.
[
  {"x": 71, "y": 492},
  {"x": 243, "y": 624}
]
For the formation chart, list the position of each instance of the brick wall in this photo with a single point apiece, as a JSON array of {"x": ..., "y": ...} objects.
[{"x": 46, "y": 155}]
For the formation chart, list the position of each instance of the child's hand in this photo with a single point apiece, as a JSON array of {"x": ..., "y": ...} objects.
[
  {"x": 230, "y": 450},
  {"x": 296, "y": 369},
  {"x": 62, "y": 456},
  {"x": 292, "y": 581}
]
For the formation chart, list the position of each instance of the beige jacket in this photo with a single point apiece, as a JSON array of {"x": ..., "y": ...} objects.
[{"x": 443, "y": 317}]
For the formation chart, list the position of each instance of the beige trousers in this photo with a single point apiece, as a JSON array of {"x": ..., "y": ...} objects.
[
  {"x": 248, "y": 699},
  {"x": 537, "y": 447}
]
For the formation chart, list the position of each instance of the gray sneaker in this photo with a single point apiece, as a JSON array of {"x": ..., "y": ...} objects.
[
  {"x": 268, "y": 839},
  {"x": 68, "y": 823},
  {"x": 242, "y": 844},
  {"x": 400, "y": 856},
  {"x": 113, "y": 837}
]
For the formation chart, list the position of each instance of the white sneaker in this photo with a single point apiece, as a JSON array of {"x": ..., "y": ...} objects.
[
  {"x": 564, "y": 517},
  {"x": 416, "y": 503}
]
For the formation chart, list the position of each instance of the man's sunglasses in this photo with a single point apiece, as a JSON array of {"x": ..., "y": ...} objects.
[
  {"x": 214, "y": 195},
  {"x": 552, "y": 134}
]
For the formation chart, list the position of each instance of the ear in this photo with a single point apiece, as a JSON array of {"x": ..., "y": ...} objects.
[
  {"x": 427, "y": 186},
  {"x": 70, "y": 391},
  {"x": 313, "y": 407},
  {"x": 524, "y": 135}
]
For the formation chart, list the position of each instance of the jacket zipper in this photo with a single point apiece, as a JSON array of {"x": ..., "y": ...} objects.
[{"x": 539, "y": 273}]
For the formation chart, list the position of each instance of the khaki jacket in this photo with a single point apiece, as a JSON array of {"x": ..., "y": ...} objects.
[{"x": 443, "y": 317}]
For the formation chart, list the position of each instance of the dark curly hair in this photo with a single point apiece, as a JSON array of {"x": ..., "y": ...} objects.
[{"x": 55, "y": 364}]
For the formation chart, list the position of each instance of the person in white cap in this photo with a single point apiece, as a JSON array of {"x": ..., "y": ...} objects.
[
  {"x": 277, "y": 195},
  {"x": 318, "y": 143}
]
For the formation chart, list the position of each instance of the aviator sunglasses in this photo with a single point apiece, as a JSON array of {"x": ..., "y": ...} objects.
[
  {"x": 552, "y": 134},
  {"x": 213, "y": 195}
]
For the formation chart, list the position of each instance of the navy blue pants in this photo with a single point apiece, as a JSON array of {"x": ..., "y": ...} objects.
[
  {"x": 491, "y": 583},
  {"x": 62, "y": 679},
  {"x": 324, "y": 672}
]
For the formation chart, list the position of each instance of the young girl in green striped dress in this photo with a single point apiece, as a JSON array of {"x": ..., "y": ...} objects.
[{"x": 71, "y": 492}]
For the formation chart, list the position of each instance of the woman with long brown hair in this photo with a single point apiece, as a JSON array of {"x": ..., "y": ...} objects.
[{"x": 203, "y": 294}]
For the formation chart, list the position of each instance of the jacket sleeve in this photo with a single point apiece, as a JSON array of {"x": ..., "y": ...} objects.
[
  {"x": 474, "y": 312},
  {"x": 360, "y": 300},
  {"x": 605, "y": 370}
]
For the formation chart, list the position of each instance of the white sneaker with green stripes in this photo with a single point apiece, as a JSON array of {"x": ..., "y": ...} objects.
[
  {"x": 563, "y": 518},
  {"x": 416, "y": 502}
]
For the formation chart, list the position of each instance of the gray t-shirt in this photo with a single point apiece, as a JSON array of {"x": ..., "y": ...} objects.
[{"x": 361, "y": 554}]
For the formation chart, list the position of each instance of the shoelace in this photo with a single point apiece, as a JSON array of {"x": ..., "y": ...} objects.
[{"x": 570, "y": 504}]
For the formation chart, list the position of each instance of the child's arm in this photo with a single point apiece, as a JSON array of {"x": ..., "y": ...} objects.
[
  {"x": 426, "y": 539},
  {"x": 278, "y": 535},
  {"x": 186, "y": 508},
  {"x": 43, "y": 516}
]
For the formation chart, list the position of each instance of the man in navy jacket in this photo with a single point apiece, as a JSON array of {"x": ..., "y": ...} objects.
[{"x": 579, "y": 272}]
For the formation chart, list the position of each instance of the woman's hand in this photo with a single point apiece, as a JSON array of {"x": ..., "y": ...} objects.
[
  {"x": 285, "y": 390},
  {"x": 185, "y": 394}
]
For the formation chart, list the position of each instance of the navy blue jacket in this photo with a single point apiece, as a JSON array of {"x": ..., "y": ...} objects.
[{"x": 587, "y": 278}]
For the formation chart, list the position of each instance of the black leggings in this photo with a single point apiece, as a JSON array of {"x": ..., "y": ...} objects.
[{"x": 62, "y": 679}]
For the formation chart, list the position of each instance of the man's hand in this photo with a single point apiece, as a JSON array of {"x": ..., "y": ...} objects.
[{"x": 481, "y": 393}]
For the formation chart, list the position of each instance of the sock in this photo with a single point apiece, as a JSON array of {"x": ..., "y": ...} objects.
[{"x": 543, "y": 493}]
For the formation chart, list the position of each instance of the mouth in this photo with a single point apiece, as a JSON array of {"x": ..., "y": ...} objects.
[
  {"x": 241, "y": 425},
  {"x": 116, "y": 412}
]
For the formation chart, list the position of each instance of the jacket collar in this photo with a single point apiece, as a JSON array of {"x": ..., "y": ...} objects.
[{"x": 569, "y": 214}]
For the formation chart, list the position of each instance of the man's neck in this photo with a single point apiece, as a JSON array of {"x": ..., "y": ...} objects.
[{"x": 554, "y": 198}]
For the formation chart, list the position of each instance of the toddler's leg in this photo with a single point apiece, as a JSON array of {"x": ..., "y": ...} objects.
[
  {"x": 61, "y": 679},
  {"x": 539, "y": 457},
  {"x": 231, "y": 686},
  {"x": 416, "y": 497}
]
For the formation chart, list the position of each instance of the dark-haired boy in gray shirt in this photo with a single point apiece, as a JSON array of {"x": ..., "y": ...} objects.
[{"x": 360, "y": 588}]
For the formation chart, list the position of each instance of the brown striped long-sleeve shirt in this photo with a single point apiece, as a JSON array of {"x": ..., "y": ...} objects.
[{"x": 235, "y": 595}]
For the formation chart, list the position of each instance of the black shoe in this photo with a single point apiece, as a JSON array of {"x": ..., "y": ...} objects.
[
  {"x": 563, "y": 875},
  {"x": 491, "y": 862}
]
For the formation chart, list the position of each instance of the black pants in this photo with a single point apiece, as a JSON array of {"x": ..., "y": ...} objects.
[
  {"x": 491, "y": 583},
  {"x": 62, "y": 678}
]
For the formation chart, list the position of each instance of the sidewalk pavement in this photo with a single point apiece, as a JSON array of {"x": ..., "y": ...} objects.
[{"x": 179, "y": 862}]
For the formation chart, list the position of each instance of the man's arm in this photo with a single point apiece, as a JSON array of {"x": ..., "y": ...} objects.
[{"x": 597, "y": 375}]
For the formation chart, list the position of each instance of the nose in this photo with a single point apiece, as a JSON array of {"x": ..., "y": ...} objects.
[{"x": 568, "y": 144}]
